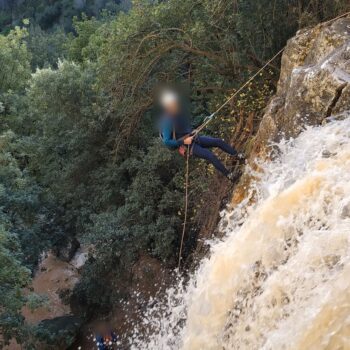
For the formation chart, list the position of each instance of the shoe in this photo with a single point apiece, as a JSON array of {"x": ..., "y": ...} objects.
[{"x": 240, "y": 158}]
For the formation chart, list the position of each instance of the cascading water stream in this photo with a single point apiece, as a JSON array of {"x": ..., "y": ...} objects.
[{"x": 280, "y": 279}]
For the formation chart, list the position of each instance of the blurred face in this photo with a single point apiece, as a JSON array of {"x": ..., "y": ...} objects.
[
  {"x": 172, "y": 108},
  {"x": 170, "y": 102}
]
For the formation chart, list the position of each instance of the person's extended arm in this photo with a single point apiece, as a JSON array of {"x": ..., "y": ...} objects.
[{"x": 167, "y": 133}]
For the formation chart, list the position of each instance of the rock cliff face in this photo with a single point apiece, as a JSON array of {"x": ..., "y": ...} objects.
[{"x": 314, "y": 85}]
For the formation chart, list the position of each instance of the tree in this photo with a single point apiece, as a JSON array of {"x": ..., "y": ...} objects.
[
  {"x": 13, "y": 279},
  {"x": 46, "y": 48},
  {"x": 14, "y": 60}
]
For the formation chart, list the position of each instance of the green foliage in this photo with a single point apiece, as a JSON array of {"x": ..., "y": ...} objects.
[
  {"x": 14, "y": 61},
  {"x": 79, "y": 153},
  {"x": 127, "y": 206},
  {"x": 21, "y": 209},
  {"x": 68, "y": 135},
  {"x": 13, "y": 278},
  {"x": 85, "y": 46},
  {"x": 311, "y": 12},
  {"x": 24, "y": 215},
  {"x": 153, "y": 201},
  {"x": 15, "y": 72},
  {"x": 119, "y": 189},
  {"x": 46, "y": 48},
  {"x": 50, "y": 14},
  {"x": 57, "y": 333},
  {"x": 263, "y": 27},
  {"x": 201, "y": 47}
]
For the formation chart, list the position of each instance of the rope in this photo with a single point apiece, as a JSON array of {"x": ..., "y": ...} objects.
[
  {"x": 208, "y": 119},
  {"x": 186, "y": 205},
  {"x": 335, "y": 18}
]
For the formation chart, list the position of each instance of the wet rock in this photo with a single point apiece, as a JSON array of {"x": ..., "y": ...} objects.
[
  {"x": 314, "y": 82},
  {"x": 67, "y": 252},
  {"x": 327, "y": 154},
  {"x": 346, "y": 211},
  {"x": 314, "y": 87},
  {"x": 81, "y": 256},
  {"x": 331, "y": 260},
  {"x": 343, "y": 103}
]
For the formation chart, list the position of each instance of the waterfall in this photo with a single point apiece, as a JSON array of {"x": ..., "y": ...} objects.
[{"x": 280, "y": 279}]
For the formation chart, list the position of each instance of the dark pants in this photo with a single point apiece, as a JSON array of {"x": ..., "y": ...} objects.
[{"x": 200, "y": 150}]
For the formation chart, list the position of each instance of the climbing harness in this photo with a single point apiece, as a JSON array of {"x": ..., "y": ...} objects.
[
  {"x": 183, "y": 150},
  {"x": 209, "y": 118}
]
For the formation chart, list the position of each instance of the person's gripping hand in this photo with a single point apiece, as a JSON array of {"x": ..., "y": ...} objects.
[{"x": 188, "y": 140}]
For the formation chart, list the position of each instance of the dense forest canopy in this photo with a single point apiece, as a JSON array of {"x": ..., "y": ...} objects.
[
  {"x": 79, "y": 154},
  {"x": 51, "y": 13}
]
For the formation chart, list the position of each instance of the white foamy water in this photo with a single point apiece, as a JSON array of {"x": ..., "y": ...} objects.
[{"x": 280, "y": 279}]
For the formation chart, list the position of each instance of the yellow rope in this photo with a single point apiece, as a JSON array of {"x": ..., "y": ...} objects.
[
  {"x": 186, "y": 204},
  {"x": 201, "y": 127},
  {"x": 335, "y": 18}
]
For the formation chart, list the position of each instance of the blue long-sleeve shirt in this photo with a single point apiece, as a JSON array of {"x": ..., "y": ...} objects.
[{"x": 178, "y": 124}]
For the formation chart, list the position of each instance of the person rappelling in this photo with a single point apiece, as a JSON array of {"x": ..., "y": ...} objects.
[{"x": 177, "y": 134}]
